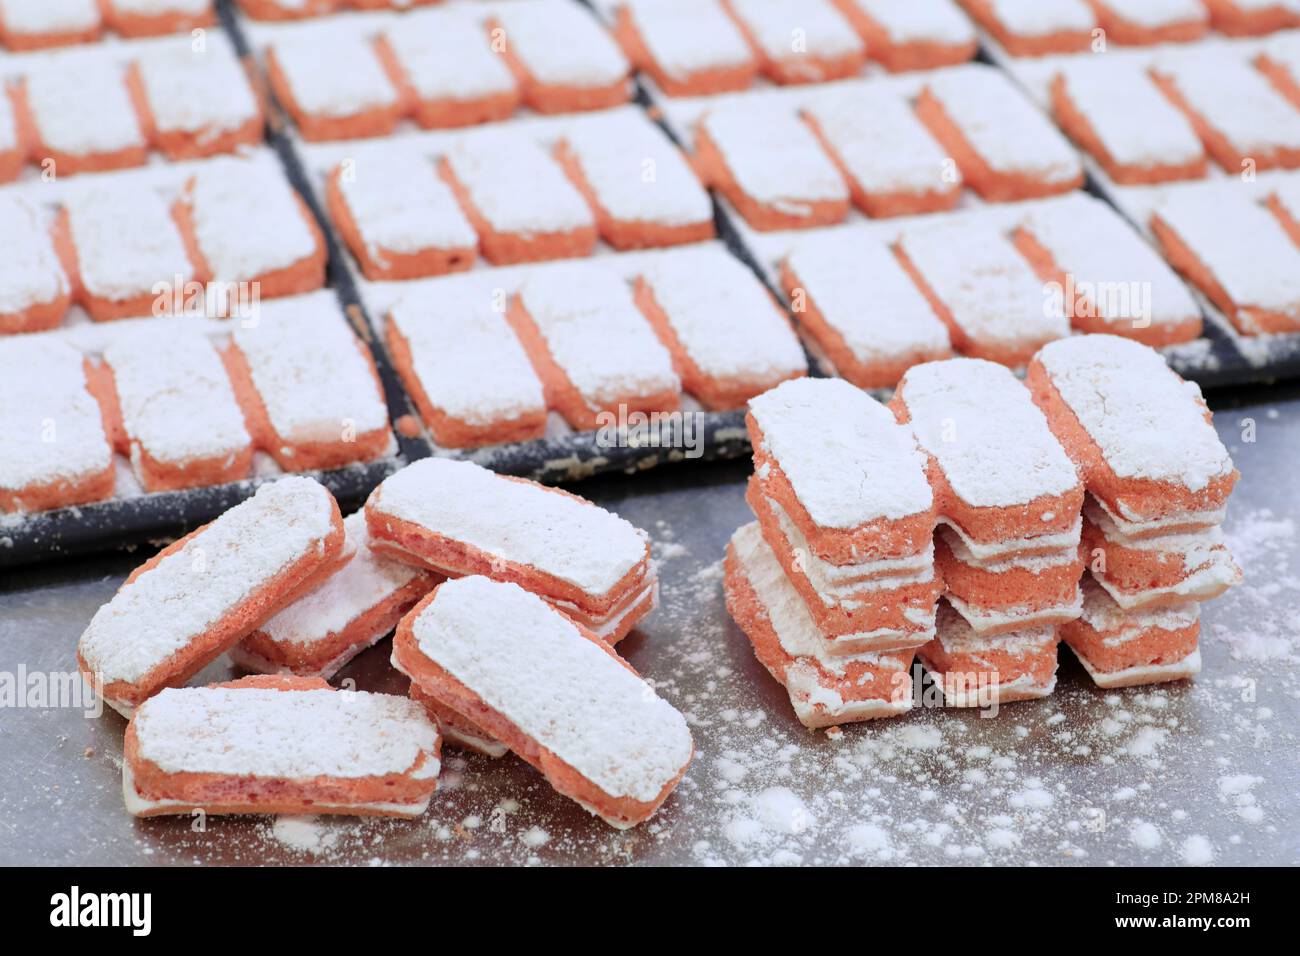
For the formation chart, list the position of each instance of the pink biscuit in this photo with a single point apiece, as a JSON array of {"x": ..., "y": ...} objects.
[{"x": 34, "y": 289}]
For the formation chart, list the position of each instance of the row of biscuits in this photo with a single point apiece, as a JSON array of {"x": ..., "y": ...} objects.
[
  {"x": 184, "y": 409},
  {"x": 92, "y": 110},
  {"x": 498, "y": 610},
  {"x": 206, "y": 238},
  {"x": 485, "y": 356},
  {"x": 519, "y": 192},
  {"x": 351, "y": 77},
  {"x": 39, "y": 24},
  {"x": 895, "y": 146},
  {"x": 974, "y": 488},
  {"x": 1029, "y": 28}
]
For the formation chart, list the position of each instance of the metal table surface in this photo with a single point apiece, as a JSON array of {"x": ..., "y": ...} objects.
[{"x": 1201, "y": 772}]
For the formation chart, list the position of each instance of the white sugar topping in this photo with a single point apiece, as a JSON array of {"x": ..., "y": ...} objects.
[
  {"x": 919, "y": 21},
  {"x": 30, "y": 273},
  {"x": 49, "y": 16},
  {"x": 561, "y": 44},
  {"x": 796, "y": 630},
  {"x": 1240, "y": 243},
  {"x": 248, "y": 220},
  {"x": 1158, "y": 13},
  {"x": 792, "y": 29},
  {"x": 774, "y": 157},
  {"x": 515, "y": 185},
  {"x": 520, "y": 522},
  {"x": 400, "y": 205},
  {"x": 176, "y": 400},
  {"x": 992, "y": 293},
  {"x": 466, "y": 356},
  {"x": 445, "y": 54},
  {"x": 1134, "y": 121},
  {"x": 82, "y": 107},
  {"x": 529, "y": 663},
  {"x": 689, "y": 36},
  {"x": 50, "y": 426},
  {"x": 127, "y": 242},
  {"x": 1102, "y": 614},
  {"x": 164, "y": 610},
  {"x": 722, "y": 315},
  {"x": 986, "y": 433},
  {"x": 1003, "y": 127},
  {"x": 847, "y": 459},
  {"x": 878, "y": 138},
  {"x": 958, "y": 637},
  {"x": 191, "y": 91},
  {"x": 1123, "y": 275},
  {"x": 333, "y": 71},
  {"x": 307, "y": 368},
  {"x": 863, "y": 294},
  {"x": 1041, "y": 17},
  {"x": 636, "y": 172},
  {"x": 1147, "y": 421},
  {"x": 360, "y": 585},
  {"x": 156, "y": 7},
  {"x": 291, "y": 734},
  {"x": 1233, "y": 98},
  {"x": 596, "y": 334}
]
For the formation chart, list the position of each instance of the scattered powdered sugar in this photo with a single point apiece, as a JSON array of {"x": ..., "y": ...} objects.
[{"x": 304, "y": 834}]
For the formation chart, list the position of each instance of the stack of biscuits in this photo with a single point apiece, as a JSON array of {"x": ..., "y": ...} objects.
[{"x": 835, "y": 584}]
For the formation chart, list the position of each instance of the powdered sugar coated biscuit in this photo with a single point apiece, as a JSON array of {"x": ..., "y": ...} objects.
[
  {"x": 994, "y": 305},
  {"x": 1122, "y": 648},
  {"x": 1036, "y": 27},
  {"x": 1147, "y": 22},
  {"x": 891, "y": 162},
  {"x": 689, "y": 47},
  {"x": 920, "y": 34},
  {"x": 847, "y": 460},
  {"x": 469, "y": 375},
  {"x": 569, "y": 539},
  {"x": 82, "y": 116},
  {"x": 728, "y": 338},
  {"x": 864, "y": 312},
  {"x": 279, "y": 745},
  {"x": 179, "y": 413},
  {"x": 34, "y": 291},
  {"x": 53, "y": 448},
  {"x": 134, "y": 18},
  {"x": 184, "y": 608},
  {"x": 556, "y": 696},
  {"x": 34, "y": 24},
  {"x": 1252, "y": 17},
  {"x": 799, "y": 41},
  {"x": 975, "y": 670}
]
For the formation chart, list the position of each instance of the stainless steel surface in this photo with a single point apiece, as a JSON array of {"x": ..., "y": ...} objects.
[{"x": 1181, "y": 773}]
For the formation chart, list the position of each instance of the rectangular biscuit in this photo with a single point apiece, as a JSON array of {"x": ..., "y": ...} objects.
[
  {"x": 974, "y": 670},
  {"x": 399, "y": 218},
  {"x": 850, "y": 477},
  {"x": 729, "y": 340},
  {"x": 1036, "y": 27},
  {"x": 356, "y": 606},
  {"x": 1116, "y": 112},
  {"x": 53, "y": 447},
  {"x": 892, "y": 164},
  {"x": 1119, "y": 282},
  {"x": 34, "y": 289},
  {"x": 562, "y": 57},
  {"x": 1141, "y": 437},
  {"x": 1231, "y": 249},
  {"x": 309, "y": 386},
  {"x": 451, "y": 74},
  {"x": 1004, "y": 145},
  {"x": 830, "y": 49},
  {"x": 595, "y": 352},
  {"x": 863, "y": 311},
  {"x": 1148, "y": 22},
  {"x": 196, "y": 104},
  {"x": 998, "y": 472},
  {"x": 824, "y": 688},
  {"x": 917, "y": 35},
  {"x": 279, "y": 745},
  {"x": 182, "y": 426},
  {"x": 643, "y": 191},
  {"x": 689, "y": 47},
  {"x": 200, "y": 596},
  {"x": 983, "y": 289},
  {"x": 518, "y": 199},
  {"x": 37, "y": 24},
  {"x": 555, "y": 694},
  {"x": 139, "y": 18},
  {"x": 768, "y": 164},
  {"x": 82, "y": 118},
  {"x": 457, "y": 518}
]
